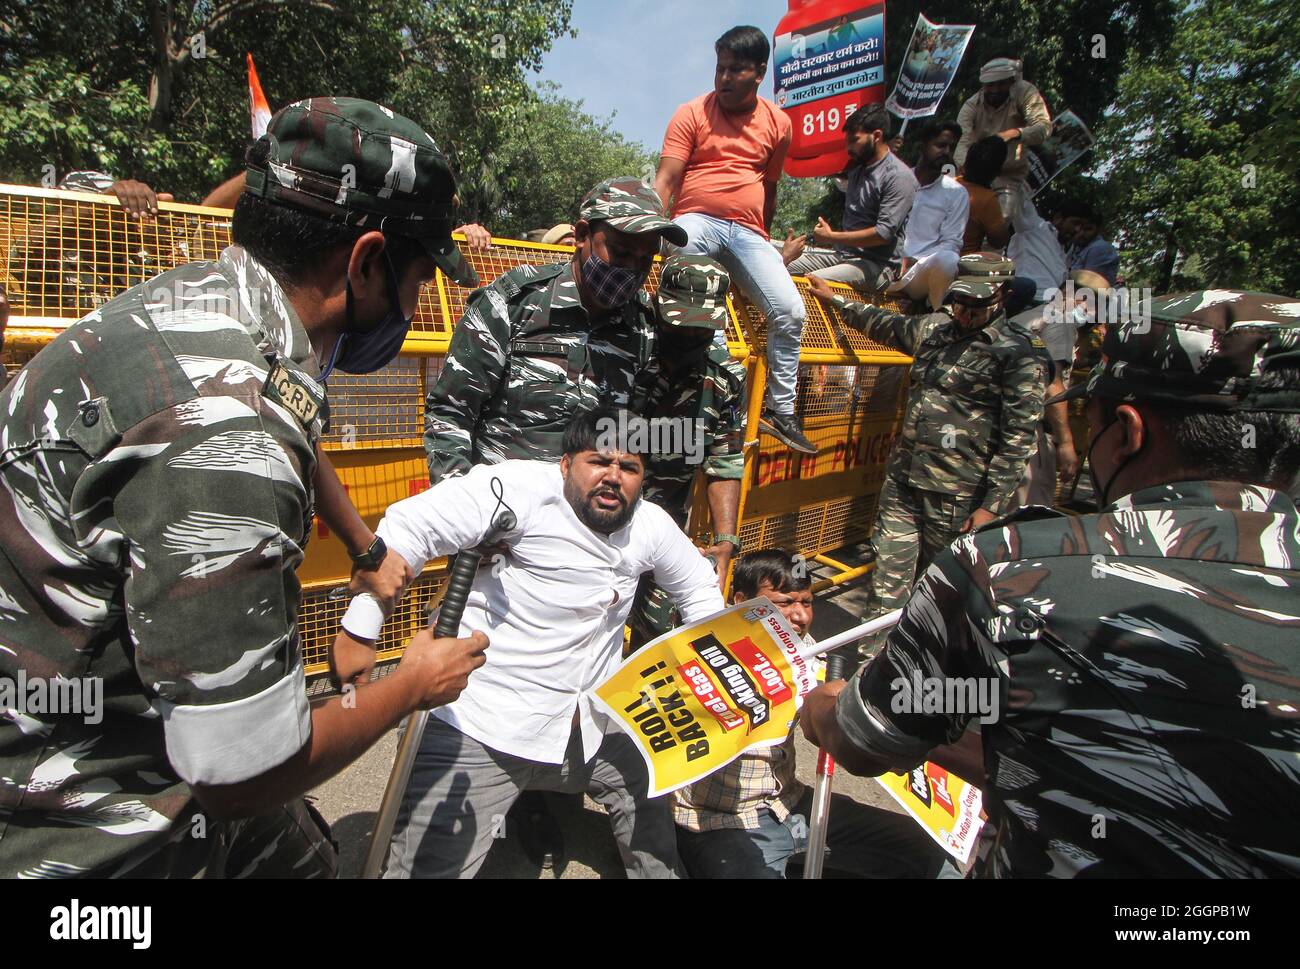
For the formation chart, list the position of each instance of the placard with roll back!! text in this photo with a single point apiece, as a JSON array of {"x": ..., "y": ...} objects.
[{"x": 697, "y": 698}]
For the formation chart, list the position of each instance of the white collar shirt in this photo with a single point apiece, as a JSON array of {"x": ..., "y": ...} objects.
[
  {"x": 938, "y": 218},
  {"x": 553, "y": 609}
]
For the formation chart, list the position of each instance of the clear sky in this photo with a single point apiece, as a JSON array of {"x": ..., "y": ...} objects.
[{"x": 640, "y": 59}]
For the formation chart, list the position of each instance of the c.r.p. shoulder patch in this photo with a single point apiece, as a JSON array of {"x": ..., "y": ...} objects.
[{"x": 289, "y": 389}]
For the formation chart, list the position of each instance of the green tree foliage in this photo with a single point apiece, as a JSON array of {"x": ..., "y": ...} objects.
[
  {"x": 1201, "y": 152},
  {"x": 799, "y": 201},
  {"x": 83, "y": 88},
  {"x": 552, "y": 157}
]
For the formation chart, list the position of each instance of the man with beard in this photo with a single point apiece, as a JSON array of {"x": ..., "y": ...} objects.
[
  {"x": 555, "y": 608},
  {"x": 877, "y": 198},
  {"x": 533, "y": 348},
  {"x": 971, "y": 419},
  {"x": 1012, "y": 109},
  {"x": 936, "y": 224}
]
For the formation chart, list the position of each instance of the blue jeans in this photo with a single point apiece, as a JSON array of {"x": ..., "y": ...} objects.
[
  {"x": 756, "y": 267},
  {"x": 861, "y": 840}
]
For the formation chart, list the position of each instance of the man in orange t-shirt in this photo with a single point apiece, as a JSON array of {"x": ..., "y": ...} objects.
[{"x": 721, "y": 161}]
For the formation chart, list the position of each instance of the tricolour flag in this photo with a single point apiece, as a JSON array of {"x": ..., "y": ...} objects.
[{"x": 259, "y": 111}]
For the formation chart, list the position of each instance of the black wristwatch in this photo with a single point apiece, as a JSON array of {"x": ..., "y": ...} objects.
[{"x": 371, "y": 557}]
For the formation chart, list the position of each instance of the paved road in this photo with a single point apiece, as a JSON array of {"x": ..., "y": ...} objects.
[{"x": 349, "y": 800}]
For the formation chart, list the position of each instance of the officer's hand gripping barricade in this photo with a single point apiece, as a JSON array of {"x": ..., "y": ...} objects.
[{"x": 453, "y": 605}]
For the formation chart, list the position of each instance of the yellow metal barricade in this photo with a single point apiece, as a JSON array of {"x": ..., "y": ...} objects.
[{"x": 66, "y": 253}]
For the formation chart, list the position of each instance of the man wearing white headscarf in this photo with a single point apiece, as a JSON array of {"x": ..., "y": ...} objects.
[{"x": 1011, "y": 108}]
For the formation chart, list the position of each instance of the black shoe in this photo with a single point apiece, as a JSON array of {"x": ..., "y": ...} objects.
[
  {"x": 539, "y": 831},
  {"x": 785, "y": 428}
]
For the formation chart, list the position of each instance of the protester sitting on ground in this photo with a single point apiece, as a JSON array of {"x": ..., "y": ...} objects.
[
  {"x": 985, "y": 227},
  {"x": 877, "y": 199},
  {"x": 721, "y": 161},
  {"x": 1091, "y": 251},
  {"x": 1146, "y": 655},
  {"x": 931, "y": 246},
  {"x": 749, "y": 818},
  {"x": 558, "y": 235},
  {"x": 137, "y": 198},
  {"x": 1011, "y": 109},
  {"x": 1058, "y": 323},
  {"x": 555, "y": 608},
  {"x": 225, "y": 195}
]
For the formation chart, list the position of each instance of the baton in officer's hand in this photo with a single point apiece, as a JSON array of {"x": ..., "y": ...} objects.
[{"x": 448, "y": 625}]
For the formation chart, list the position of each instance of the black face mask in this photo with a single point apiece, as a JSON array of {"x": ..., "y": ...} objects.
[
  {"x": 684, "y": 342},
  {"x": 367, "y": 351}
]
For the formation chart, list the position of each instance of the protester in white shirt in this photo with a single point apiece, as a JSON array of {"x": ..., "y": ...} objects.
[
  {"x": 935, "y": 227},
  {"x": 553, "y": 608},
  {"x": 1036, "y": 251}
]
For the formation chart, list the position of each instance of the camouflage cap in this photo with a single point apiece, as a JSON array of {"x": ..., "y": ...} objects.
[
  {"x": 986, "y": 265},
  {"x": 693, "y": 292},
  {"x": 980, "y": 277},
  {"x": 629, "y": 205},
  {"x": 1206, "y": 348},
  {"x": 358, "y": 163}
]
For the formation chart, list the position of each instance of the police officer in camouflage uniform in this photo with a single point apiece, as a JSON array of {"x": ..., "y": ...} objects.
[
  {"x": 698, "y": 390},
  {"x": 696, "y": 381},
  {"x": 537, "y": 345},
  {"x": 157, "y": 494},
  {"x": 1145, "y": 657},
  {"x": 969, "y": 425}
]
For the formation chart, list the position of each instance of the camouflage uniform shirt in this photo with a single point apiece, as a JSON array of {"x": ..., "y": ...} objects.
[
  {"x": 1149, "y": 681},
  {"x": 713, "y": 393},
  {"x": 524, "y": 359},
  {"x": 156, "y": 498},
  {"x": 973, "y": 407}
]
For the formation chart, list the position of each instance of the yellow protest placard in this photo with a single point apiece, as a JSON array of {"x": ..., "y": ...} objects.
[
  {"x": 943, "y": 804},
  {"x": 696, "y": 698}
]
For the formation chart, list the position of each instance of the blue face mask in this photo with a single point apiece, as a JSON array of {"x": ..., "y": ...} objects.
[
  {"x": 368, "y": 351},
  {"x": 1081, "y": 318}
]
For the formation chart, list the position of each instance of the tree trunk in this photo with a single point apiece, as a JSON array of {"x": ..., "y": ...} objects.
[
  {"x": 160, "y": 93},
  {"x": 1166, "y": 277},
  {"x": 160, "y": 82}
]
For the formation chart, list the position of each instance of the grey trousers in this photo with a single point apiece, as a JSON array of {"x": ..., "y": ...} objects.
[
  {"x": 461, "y": 790},
  {"x": 864, "y": 275}
]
